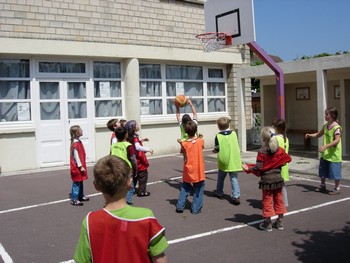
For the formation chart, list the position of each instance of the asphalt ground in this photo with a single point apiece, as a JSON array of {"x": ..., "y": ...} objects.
[{"x": 38, "y": 224}]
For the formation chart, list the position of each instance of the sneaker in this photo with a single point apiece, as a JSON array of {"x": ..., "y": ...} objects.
[
  {"x": 179, "y": 211},
  {"x": 321, "y": 189},
  {"x": 220, "y": 196},
  {"x": 335, "y": 191},
  {"x": 84, "y": 199},
  {"x": 278, "y": 224},
  {"x": 144, "y": 194},
  {"x": 236, "y": 201},
  {"x": 76, "y": 203},
  {"x": 266, "y": 226}
]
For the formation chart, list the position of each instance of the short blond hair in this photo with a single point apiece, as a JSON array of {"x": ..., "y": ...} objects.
[{"x": 223, "y": 123}]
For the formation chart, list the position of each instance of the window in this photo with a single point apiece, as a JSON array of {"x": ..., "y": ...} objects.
[
  {"x": 15, "y": 101},
  {"x": 216, "y": 96},
  {"x": 61, "y": 67},
  {"x": 159, "y": 84},
  {"x": 151, "y": 89},
  {"x": 107, "y": 89}
]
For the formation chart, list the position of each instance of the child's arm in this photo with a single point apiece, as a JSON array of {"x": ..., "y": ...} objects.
[
  {"x": 161, "y": 258},
  {"x": 178, "y": 116},
  {"x": 194, "y": 112},
  {"x": 216, "y": 145},
  {"x": 77, "y": 160},
  {"x": 132, "y": 159},
  {"x": 140, "y": 148},
  {"x": 314, "y": 135}
]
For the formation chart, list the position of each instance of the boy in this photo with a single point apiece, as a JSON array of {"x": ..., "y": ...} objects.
[
  {"x": 229, "y": 159},
  {"x": 193, "y": 170},
  {"x": 112, "y": 124},
  {"x": 185, "y": 119},
  {"x": 118, "y": 232},
  {"x": 124, "y": 149}
]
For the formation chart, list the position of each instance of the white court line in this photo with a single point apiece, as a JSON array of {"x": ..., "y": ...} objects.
[
  {"x": 222, "y": 230},
  {"x": 317, "y": 181},
  {"x": 4, "y": 255}
]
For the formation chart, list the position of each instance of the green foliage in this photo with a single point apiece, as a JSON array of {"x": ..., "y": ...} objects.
[
  {"x": 325, "y": 54},
  {"x": 255, "y": 85},
  {"x": 257, "y": 63}
]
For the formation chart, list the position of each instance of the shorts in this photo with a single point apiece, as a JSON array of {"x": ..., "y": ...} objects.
[{"x": 329, "y": 170}]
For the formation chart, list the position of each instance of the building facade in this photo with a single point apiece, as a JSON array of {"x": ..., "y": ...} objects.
[{"x": 77, "y": 62}]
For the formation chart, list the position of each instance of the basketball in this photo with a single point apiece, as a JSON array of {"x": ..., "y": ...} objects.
[{"x": 180, "y": 100}]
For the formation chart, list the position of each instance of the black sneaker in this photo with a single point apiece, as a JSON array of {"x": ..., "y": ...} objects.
[
  {"x": 321, "y": 189},
  {"x": 76, "y": 203},
  {"x": 266, "y": 226},
  {"x": 179, "y": 211},
  {"x": 278, "y": 224},
  {"x": 236, "y": 201},
  {"x": 84, "y": 199}
]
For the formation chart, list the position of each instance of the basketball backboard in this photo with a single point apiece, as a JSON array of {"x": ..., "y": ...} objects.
[{"x": 233, "y": 17}]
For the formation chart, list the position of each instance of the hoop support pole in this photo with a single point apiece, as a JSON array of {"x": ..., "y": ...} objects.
[{"x": 279, "y": 77}]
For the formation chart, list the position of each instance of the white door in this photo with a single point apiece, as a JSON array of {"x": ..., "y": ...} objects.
[{"x": 62, "y": 104}]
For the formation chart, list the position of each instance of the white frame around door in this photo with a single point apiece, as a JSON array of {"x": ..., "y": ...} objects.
[{"x": 52, "y": 136}]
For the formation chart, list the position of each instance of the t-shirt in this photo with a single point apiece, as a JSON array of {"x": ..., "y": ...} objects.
[{"x": 155, "y": 239}]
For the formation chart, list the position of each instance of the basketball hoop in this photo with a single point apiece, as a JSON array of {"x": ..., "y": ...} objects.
[{"x": 213, "y": 41}]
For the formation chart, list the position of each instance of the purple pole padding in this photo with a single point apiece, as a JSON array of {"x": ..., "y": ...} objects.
[{"x": 279, "y": 77}]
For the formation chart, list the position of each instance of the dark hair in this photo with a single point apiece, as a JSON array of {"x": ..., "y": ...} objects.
[
  {"x": 120, "y": 133},
  {"x": 111, "y": 175},
  {"x": 186, "y": 118},
  {"x": 281, "y": 128},
  {"x": 191, "y": 128},
  {"x": 333, "y": 112},
  {"x": 130, "y": 127}
]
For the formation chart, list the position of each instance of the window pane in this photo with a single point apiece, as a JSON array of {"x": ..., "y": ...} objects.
[
  {"x": 77, "y": 110},
  {"x": 171, "y": 89},
  {"x": 198, "y": 104},
  {"x": 184, "y": 72},
  {"x": 193, "y": 88},
  {"x": 216, "y": 89},
  {"x": 50, "y": 111},
  {"x": 49, "y": 90},
  {"x": 150, "y": 71},
  {"x": 107, "y": 70},
  {"x": 150, "y": 89},
  {"x": 215, "y": 105},
  {"x": 215, "y": 73},
  {"x": 14, "y": 68},
  {"x": 151, "y": 107},
  {"x": 61, "y": 67},
  {"x": 76, "y": 90},
  {"x": 107, "y": 89},
  {"x": 11, "y": 90},
  {"x": 15, "y": 111},
  {"x": 107, "y": 108}
]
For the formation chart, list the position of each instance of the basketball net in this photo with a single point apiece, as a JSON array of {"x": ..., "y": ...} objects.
[{"x": 213, "y": 41}]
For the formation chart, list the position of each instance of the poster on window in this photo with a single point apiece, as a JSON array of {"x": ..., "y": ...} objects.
[
  {"x": 180, "y": 88},
  {"x": 105, "y": 89},
  {"x": 144, "y": 107},
  {"x": 23, "y": 111}
]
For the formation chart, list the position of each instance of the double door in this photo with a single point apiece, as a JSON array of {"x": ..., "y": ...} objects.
[{"x": 62, "y": 104}]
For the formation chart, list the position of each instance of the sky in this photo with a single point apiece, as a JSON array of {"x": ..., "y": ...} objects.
[{"x": 291, "y": 29}]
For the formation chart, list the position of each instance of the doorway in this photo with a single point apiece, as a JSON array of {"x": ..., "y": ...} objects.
[{"x": 62, "y": 104}]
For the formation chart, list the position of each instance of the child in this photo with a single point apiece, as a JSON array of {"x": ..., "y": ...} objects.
[
  {"x": 186, "y": 118},
  {"x": 119, "y": 232},
  {"x": 77, "y": 166},
  {"x": 123, "y": 149},
  {"x": 193, "y": 170},
  {"x": 112, "y": 124},
  {"x": 142, "y": 163},
  {"x": 229, "y": 159},
  {"x": 280, "y": 129},
  {"x": 331, "y": 158},
  {"x": 268, "y": 167},
  {"x": 122, "y": 122}
]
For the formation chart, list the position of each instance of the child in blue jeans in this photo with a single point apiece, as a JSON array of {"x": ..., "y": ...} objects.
[{"x": 229, "y": 159}]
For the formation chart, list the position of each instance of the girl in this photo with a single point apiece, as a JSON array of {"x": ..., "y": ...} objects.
[
  {"x": 280, "y": 129},
  {"x": 331, "y": 158},
  {"x": 142, "y": 163},
  {"x": 268, "y": 167},
  {"x": 77, "y": 166}
]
